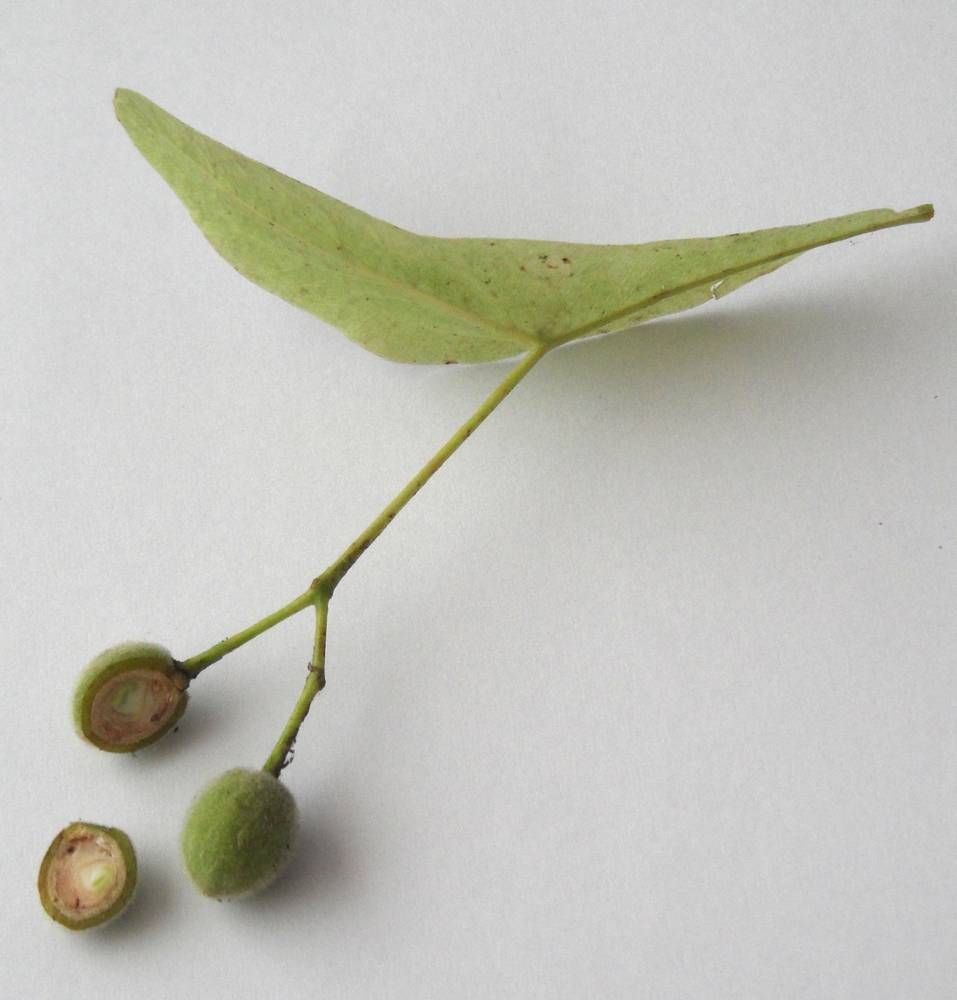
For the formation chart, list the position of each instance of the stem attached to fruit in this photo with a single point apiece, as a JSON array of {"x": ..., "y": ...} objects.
[
  {"x": 315, "y": 682},
  {"x": 195, "y": 665},
  {"x": 320, "y": 591}
]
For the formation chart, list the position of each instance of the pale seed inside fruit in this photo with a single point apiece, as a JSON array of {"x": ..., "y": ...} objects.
[
  {"x": 132, "y": 705},
  {"x": 87, "y": 874}
]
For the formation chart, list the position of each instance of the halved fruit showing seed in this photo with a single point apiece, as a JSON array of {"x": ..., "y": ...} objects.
[{"x": 87, "y": 875}]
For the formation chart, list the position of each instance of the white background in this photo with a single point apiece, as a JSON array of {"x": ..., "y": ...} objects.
[{"x": 651, "y": 692}]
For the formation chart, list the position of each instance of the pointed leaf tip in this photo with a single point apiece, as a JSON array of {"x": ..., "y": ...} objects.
[
  {"x": 428, "y": 299},
  {"x": 121, "y": 98}
]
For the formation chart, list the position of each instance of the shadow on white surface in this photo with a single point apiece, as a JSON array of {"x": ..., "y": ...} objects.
[
  {"x": 201, "y": 726},
  {"x": 322, "y": 866},
  {"x": 737, "y": 339},
  {"x": 151, "y": 909}
]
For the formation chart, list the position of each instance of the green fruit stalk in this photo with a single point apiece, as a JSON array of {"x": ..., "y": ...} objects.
[
  {"x": 87, "y": 875},
  {"x": 238, "y": 833}
]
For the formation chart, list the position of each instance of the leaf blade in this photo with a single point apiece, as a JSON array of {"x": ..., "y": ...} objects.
[
  {"x": 301, "y": 244},
  {"x": 428, "y": 299}
]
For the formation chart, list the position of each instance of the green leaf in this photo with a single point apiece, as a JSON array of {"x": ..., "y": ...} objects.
[{"x": 428, "y": 299}]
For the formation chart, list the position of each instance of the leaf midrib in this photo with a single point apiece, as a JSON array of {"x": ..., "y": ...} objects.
[{"x": 901, "y": 219}]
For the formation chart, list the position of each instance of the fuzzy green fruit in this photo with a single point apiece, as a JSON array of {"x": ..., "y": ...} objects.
[
  {"x": 129, "y": 696},
  {"x": 87, "y": 875},
  {"x": 238, "y": 833}
]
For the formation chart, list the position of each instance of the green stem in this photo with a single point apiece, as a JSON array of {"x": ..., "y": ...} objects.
[
  {"x": 315, "y": 682},
  {"x": 324, "y": 585},
  {"x": 321, "y": 589},
  {"x": 195, "y": 665},
  {"x": 347, "y": 560}
]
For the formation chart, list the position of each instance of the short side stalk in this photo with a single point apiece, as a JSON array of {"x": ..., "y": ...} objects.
[
  {"x": 195, "y": 665},
  {"x": 315, "y": 682}
]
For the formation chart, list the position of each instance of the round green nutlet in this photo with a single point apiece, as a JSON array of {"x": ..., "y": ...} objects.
[
  {"x": 87, "y": 875},
  {"x": 129, "y": 696},
  {"x": 238, "y": 833}
]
